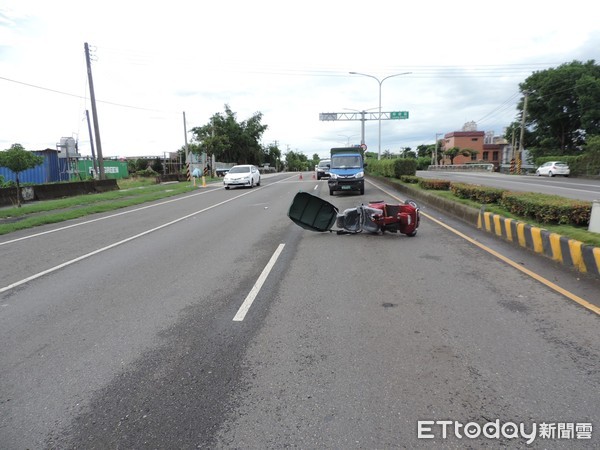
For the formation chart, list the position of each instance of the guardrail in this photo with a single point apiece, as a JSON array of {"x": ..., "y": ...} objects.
[{"x": 464, "y": 167}]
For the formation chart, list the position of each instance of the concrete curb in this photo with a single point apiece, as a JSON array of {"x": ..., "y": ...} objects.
[{"x": 568, "y": 252}]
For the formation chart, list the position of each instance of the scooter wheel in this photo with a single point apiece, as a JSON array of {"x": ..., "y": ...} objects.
[{"x": 411, "y": 203}]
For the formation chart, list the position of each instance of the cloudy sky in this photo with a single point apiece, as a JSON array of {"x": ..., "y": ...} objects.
[{"x": 290, "y": 61}]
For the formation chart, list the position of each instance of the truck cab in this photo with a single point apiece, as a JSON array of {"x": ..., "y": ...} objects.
[{"x": 347, "y": 170}]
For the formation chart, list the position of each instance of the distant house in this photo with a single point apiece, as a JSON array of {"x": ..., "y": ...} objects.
[
  {"x": 486, "y": 147},
  {"x": 465, "y": 140}
]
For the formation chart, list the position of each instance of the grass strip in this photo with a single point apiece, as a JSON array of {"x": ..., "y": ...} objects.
[{"x": 71, "y": 208}]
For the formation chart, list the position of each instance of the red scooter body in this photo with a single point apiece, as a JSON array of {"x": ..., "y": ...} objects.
[{"x": 403, "y": 218}]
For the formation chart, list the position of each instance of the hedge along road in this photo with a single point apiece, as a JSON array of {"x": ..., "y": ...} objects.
[{"x": 349, "y": 342}]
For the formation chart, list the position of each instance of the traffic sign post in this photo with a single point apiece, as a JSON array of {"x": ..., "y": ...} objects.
[{"x": 363, "y": 116}]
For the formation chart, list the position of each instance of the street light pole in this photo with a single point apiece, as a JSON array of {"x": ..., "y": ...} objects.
[
  {"x": 380, "y": 83},
  {"x": 348, "y": 138}
]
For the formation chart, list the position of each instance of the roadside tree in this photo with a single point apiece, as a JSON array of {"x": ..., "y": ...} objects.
[
  {"x": 229, "y": 140},
  {"x": 563, "y": 108},
  {"x": 157, "y": 165},
  {"x": 272, "y": 156},
  {"x": 453, "y": 152},
  {"x": 296, "y": 161},
  {"x": 17, "y": 159}
]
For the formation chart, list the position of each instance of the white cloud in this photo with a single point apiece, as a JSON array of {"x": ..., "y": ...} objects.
[{"x": 289, "y": 61}]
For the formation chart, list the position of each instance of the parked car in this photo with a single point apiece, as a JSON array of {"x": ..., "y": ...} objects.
[
  {"x": 552, "y": 168},
  {"x": 323, "y": 169},
  {"x": 242, "y": 175}
]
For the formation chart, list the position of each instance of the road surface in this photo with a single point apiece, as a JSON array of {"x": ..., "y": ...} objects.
[{"x": 123, "y": 330}]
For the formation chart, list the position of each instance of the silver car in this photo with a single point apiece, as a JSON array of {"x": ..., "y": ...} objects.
[
  {"x": 323, "y": 168},
  {"x": 552, "y": 168},
  {"x": 242, "y": 175}
]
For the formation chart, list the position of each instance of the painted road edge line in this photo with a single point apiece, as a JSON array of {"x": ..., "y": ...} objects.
[
  {"x": 86, "y": 222},
  {"x": 115, "y": 244},
  {"x": 241, "y": 314}
]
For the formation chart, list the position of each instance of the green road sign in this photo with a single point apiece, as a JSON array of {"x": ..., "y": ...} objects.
[{"x": 399, "y": 115}]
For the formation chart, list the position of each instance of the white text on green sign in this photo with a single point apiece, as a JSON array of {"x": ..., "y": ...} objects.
[{"x": 399, "y": 115}]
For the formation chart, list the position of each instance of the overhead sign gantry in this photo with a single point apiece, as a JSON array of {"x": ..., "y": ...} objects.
[{"x": 363, "y": 116}]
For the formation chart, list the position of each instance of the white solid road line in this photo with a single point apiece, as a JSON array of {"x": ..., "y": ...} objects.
[
  {"x": 115, "y": 244},
  {"x": 256, "y": 288},
  {"x": 111, "y": 216},
  {"x": 186, "y": 197}
]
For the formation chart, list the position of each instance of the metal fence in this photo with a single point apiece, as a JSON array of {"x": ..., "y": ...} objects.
[{"x": 464, "y": 167}]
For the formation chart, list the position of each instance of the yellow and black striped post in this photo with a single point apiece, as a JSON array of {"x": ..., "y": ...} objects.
[{"x": 569, "y": 252}]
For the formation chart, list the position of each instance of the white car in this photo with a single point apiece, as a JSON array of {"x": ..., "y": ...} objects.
[
  {"x": 552, "y": 168},
  {"x": 242, "y": 175}
]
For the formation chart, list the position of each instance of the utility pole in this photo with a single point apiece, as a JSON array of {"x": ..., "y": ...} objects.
[
  {"x": 87, "y": 115},
  {"x": 94, "y": 112},
  {"x": 434, "y": 156},
  {"x": 522, "y": 137},
  {"x": 513, "y": 143},
  {"x": 187, "y": 150}
]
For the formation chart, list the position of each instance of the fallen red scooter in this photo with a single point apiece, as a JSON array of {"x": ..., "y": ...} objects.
[{"x": 315, "y": 214}]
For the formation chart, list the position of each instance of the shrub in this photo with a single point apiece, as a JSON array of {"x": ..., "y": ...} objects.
[
  {"x": 381, "y": 167},
  {"x": 481, "y": 194},
  {"x": 423, "y": 162},
  {"x": 404, "y": 166},
  {"x": 410, "y": 179},
  {"x": 587, "y": 164},
  {"x": 550, "y": 209},
  {"x": 8, "y": 184},
  {"x": 392, "y": 168},
  {"x": 432, "y": 183},
  {"x": 147, "y": 173}
]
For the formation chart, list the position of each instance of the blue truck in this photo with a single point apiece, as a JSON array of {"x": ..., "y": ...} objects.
[{"x": 347, "y": 170}]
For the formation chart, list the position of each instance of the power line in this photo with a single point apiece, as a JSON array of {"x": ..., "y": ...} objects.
[
  {"x": 81, "y": 96},
  {"x": 137, "y": 58},
  {"x": 508, "y": 103}
]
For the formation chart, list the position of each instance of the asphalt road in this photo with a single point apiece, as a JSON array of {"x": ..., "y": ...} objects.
[
  {"x": 123, "y": 331},
  {"x": 569, "y": 187}
]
